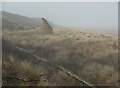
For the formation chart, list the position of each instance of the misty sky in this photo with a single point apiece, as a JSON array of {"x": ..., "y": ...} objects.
[{"x": 92, "y": 15}]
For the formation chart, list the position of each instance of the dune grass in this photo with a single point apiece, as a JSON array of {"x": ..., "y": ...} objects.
[{"x": 91, "y": 56}]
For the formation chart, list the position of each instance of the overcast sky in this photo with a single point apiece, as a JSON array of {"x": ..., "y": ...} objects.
[{"x": 92, "y": 15}]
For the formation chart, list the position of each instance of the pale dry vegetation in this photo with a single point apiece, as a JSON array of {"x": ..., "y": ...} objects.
[{"x": 91, "y": 56}]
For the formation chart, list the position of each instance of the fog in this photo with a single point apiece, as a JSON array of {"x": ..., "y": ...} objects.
[{"x": 98, "y": 16}]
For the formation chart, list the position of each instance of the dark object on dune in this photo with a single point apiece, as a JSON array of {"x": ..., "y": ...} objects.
[{"x": 46, "y": 28}]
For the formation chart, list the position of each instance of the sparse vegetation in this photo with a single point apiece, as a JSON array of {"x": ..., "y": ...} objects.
[{"x": 12, "y": 21}]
